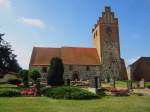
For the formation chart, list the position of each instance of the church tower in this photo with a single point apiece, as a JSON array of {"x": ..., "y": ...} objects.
[{"x": 105, "y": 37}]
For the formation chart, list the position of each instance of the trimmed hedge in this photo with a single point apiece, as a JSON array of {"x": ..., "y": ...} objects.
[
  {"x": 12, "y": 79},
  {"x": 66, "y": 92},
  {"x": 9, "y": 92}
]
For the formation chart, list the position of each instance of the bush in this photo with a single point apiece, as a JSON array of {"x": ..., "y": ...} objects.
[
  {"x": 12, "y": 79},
  {"x": 35, "y": 74},
  {"x": 9, "y": 92},
  {"x": 9, "y": 76},
  {"x": 101, "y": 91},
  {"x": 38, "y": 87},
  {"x": 25, "y": 77},
  {"x": 66, "y": 92},
  {"x": 148, "y": 86},
  {"x": 3, "y": 81}
]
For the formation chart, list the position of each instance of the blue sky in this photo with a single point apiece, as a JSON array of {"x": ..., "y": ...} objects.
[{"x": 56, "y": 23}]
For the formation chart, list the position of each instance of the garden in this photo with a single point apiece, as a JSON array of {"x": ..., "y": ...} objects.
[{"x": 25, "y": 91}]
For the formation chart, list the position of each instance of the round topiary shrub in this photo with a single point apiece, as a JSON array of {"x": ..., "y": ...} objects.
[
  {"x": 66, "y": 92},
  {"x": 34, "y": 74},
  {"x": 7, "y": 92}
]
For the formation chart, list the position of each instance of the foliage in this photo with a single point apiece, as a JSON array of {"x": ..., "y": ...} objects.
[
  {"x": 101, "y": 91},
  {"x": 24, "y": 74},
  {"x": 8, "y": 62},
  {"x": 2, "y": 81},
  {"x": 67, "y": 92},
  {"x": 8, "y": 92},
  {"x": 34, "y": 74},
  {"x": 55, "y": 72},
  {"x": 9, "y": 76},
  {"x": 12, "y": 79},
  {"x": 38, "y": 87},
  {"x": 8, "y": 86},
  {"x": 148, "y": 86}
]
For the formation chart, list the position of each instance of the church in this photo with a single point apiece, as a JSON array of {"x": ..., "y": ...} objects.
[{"x": 103, "y": 60}]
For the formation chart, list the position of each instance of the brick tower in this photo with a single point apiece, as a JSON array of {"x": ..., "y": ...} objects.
[{"x": 105, "y": 37}]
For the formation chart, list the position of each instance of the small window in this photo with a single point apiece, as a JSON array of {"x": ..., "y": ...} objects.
[
  {"x": 70, "y": 67},
  {"x": 96, "y": 33},
  {"x": 87, "y": 68},
  {"x": 44, "y": 69}
]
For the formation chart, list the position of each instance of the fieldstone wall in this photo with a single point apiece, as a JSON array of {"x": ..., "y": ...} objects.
[{"x": 84, "y": 73}]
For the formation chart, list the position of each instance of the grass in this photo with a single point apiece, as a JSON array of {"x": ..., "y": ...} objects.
[
  {"x": 123, "y": 84},
  {"x": 106, "y": 104}
]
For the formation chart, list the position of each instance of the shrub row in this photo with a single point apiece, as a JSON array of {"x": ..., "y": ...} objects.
[
  {"x": 12, "y": 79},
  {"x": 66, "y": 92},
  {"x": 7, "y": 92}
]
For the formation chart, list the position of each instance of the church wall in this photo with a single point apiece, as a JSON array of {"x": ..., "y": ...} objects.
[{"x": 84, "y": 73}]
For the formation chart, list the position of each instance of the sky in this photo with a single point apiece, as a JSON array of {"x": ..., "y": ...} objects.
[{"x": 56, "y": 23}]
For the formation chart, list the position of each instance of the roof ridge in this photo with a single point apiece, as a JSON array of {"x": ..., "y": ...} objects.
[
  {"x": 78, "y": 47},
  {"x": 47, "y": 47}
]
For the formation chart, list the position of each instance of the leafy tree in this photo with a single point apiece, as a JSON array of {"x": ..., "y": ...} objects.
[
  {"x": 35, "y": 74},
  {"x": 25, "y": 77},
  {"x": 8, "y": 62},
  {"x": 55, "y": 72}
]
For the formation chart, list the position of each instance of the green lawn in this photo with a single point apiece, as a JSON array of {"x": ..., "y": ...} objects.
[
  {"x": 123, "y": 84},
  {"x": 106, "y": 104}
]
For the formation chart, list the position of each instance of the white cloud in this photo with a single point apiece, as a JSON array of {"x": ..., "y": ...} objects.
[
  {"x": 132, "y": 60},
  {"x": 5, "y": 4},
  {"x": 32, "y": 22}
]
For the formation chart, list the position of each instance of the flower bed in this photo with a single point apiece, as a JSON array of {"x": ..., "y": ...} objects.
[
  {"x": 27, "y": 92},
  {"x": 119, "y": 92}
]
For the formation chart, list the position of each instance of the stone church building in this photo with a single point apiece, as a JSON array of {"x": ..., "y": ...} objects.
[{"x": 102, "y": 60}]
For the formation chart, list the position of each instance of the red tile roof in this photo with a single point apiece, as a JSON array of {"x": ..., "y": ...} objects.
[{"x": 69, "y": 55}]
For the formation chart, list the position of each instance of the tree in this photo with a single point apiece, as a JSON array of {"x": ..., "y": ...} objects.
[
  {"x": 8, "y": 62},
  {"x": 35, "y": 74},
  {"x": 55, "y": 72},
  {"x": 25, "y": 77}
]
